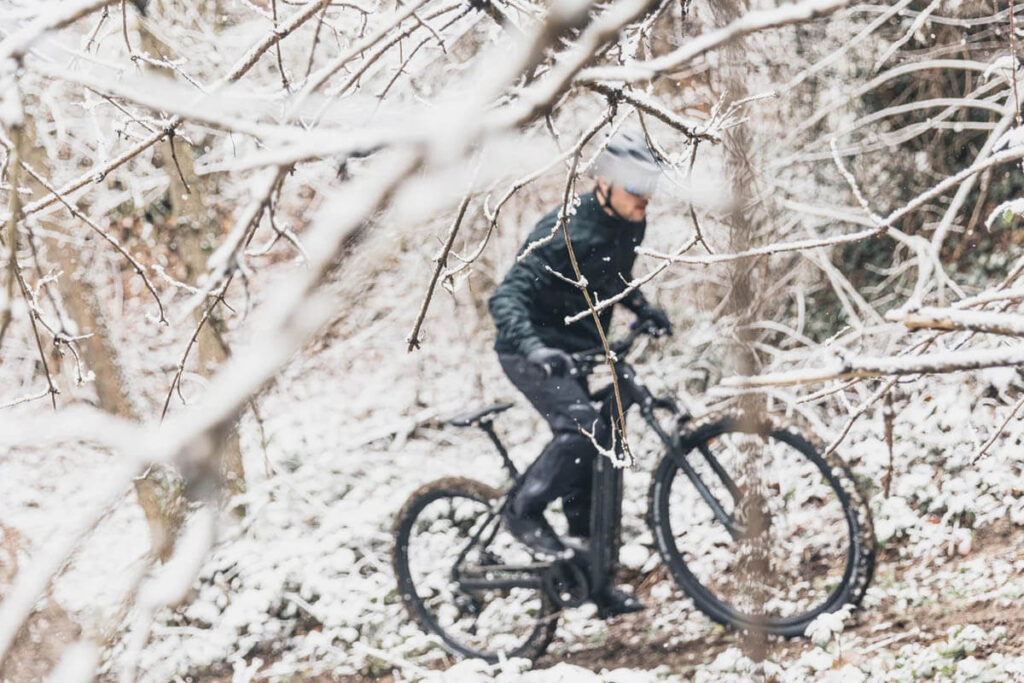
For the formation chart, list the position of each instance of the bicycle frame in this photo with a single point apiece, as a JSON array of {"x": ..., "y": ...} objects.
[{"x": 599, "y": 564}]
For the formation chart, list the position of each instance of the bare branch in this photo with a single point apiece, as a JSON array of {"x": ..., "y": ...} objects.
[
  {"x": 693, "y": 130},
  {"x": 570, "y": 183},
  {"x": 14, "y": 208},
  {"x": 413, "y": 339},
  {"x": 317, "y": 80},
  {"x": 997, "y": 433},
  {"x": 1006, "y": 156},
  {"x": 25, "y": 399},
  {"x": 867, "y": 366},
  {"x": 750, "y": 22},
  {"x": 53, "y": 16},
  {"x": 632, "y": 285},
  {"x": 928, "y": 317},
  {"x": 110, "y": 239}
]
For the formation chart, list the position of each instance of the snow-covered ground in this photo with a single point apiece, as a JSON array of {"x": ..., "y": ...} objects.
[{"x": 302, "y": 587}]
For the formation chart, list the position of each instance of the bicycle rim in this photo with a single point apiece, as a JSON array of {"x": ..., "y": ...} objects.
[
  {"x": 806, "y": 545},
  {"x": 435, "y": 547}
]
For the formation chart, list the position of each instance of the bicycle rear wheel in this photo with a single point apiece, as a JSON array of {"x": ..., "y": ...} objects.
[
  {"x": 801, "y": 541},
  {"x": 466, "y": 579}
]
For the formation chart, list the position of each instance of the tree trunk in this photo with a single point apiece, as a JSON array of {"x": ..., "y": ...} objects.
[
  {"x": 158, "y": 492},
  {"x": 742, "y": 306},
  {"x": 195, "y": 228}
]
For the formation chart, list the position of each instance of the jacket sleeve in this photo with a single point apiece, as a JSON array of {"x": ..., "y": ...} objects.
[
  {"x": 513, "y": 299},
  {"x": 635, "y": 301}
]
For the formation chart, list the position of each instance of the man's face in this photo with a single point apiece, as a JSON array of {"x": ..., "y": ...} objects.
[{"x": 632, "y": 207}]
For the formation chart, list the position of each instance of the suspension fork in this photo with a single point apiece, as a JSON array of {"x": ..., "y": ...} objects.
[{"x": 736, "y": 530}]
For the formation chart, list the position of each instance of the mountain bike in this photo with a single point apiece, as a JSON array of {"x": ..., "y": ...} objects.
[{"x": 760, "y": 528}]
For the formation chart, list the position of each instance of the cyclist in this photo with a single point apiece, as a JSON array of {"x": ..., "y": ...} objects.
[{"x": 533, "y": 342}]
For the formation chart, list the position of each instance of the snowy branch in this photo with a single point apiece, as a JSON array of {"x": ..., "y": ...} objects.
[
  {"x": 751, "y": 22},
  {"x": 867, "y": 366},
  {"x": 927, "y": 317}
]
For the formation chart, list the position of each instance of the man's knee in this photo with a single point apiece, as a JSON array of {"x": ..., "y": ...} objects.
[{"x": 573, "y": 444}]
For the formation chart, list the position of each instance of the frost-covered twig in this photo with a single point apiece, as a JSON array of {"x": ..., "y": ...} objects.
[
  {"x": 322, "y": 14},
  {"x": 964, "y": 191},
  {"x": 217, "y": 298},
  {"x": 930, "y": 317},
  {"x": 568, "y": 192},
  {"x": 619, "y": 424},
  {"x": 751, "y": 22},
  {"x": 108, "y": 238},
  {"x": 1006, "y": 156},
  {"x": 918, "y": 22},
  {"x": 617, "y": 459},
  {"x": 847, "y": 45},
  {"x": 888, "y": 75},
  {"x": 769, "y": 250},
  {"x": 385, "y": 46},
  {"x": 152, "y": 93},
  {"x": 51, "y": 17},
  {"x": 541, "y": 96},
  {"x": 413, "y": 340},
  {"x": 317, "y": 80},
  {"x": 279, "y": 232},
  {"x": 33, "y": 319},
  {"x": 25, "y": 399},
  {"x": 247, "y": 61},
  {"x": 492, "y": 216},
  {"x": 694, "y": 130},
  {"x": 989, "y": 297},
  {"x": 632, "y": 285},
  {"x": 868, "y": 366},
  {"x": 242, "y": 67},
  {"x": 226, "y": 259},
  {"x": 997, "y": 433},
  {"x": 861, "y": 409},
  {"x": 14, "y": 121}
]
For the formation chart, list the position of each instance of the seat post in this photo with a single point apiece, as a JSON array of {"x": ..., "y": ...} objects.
[{"x": 487, "y": 425}]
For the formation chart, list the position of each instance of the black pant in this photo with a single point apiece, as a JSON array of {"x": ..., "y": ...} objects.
[{"x": 564, "y": 468}]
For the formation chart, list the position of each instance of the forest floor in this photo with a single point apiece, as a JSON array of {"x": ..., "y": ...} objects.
[
  {"x": 626, "y": 645},
  {"x": 302, "y": 588}
]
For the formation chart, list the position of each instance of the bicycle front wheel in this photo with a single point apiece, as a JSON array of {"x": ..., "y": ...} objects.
[
  {"x": 466, "y": 579},
  {"x": 791, "y": 537}
]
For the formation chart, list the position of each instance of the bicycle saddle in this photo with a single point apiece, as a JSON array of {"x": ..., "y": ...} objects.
[{"x": 474, "y": 417}]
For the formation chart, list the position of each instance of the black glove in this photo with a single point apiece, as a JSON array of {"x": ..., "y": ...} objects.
[
  {"x": 141, "y": 5},
  {"x": 554, "y": 361},
  {"x": 657, "y": 316}
]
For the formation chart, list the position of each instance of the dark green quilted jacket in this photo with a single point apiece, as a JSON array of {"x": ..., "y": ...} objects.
[{"x": 530, "y": 305}]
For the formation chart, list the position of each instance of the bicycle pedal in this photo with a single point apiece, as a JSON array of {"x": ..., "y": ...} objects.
[{"x": 615, "y": 602}]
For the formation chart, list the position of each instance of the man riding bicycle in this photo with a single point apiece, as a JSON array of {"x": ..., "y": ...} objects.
[{"x": 534, "y": 343}]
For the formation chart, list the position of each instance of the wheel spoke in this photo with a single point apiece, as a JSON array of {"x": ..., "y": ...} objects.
[
  {"x": 443, "y": 546},
  {"x": 789, "y": 548}
]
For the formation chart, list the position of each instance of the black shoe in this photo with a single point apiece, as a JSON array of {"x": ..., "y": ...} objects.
[
  {"x": 580, "y": 545},
  {"x": 537, "y": 535},
  {"x": 611, "y": 602}
]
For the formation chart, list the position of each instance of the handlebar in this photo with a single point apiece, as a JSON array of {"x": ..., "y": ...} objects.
[{"x": 587, "y": 360}]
